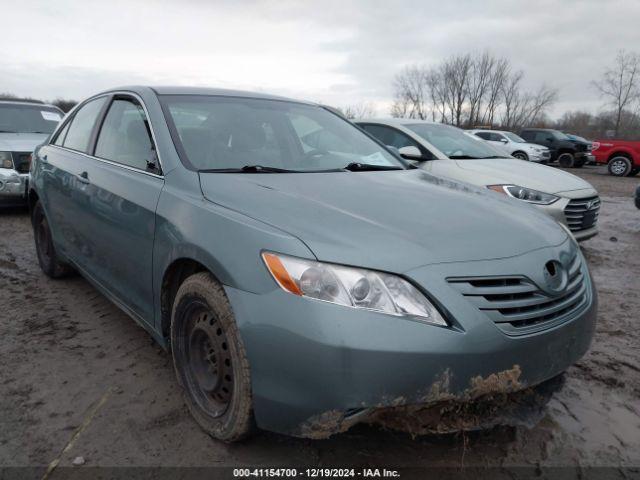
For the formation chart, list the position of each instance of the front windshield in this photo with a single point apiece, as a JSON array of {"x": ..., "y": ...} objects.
[
  {"x": 453, "y": 142},
  {"x": 231, "y": 133},
  {"x": 17, "y": 118},
  {"x": 514, "y": 138},
  {"x": 559, "y": 135}
]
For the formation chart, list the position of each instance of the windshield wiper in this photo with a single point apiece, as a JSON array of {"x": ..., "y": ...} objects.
[
  {"x": 250, "y": 169},
  {"x": 367, "y": 167}
]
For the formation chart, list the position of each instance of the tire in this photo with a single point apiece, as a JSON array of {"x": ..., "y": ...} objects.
[
  {"x": 619, "y": 166},
  {"x": 579, "y": 163},
  {"x": 48, "y": 259},
  {"x": 520, "y": 155},
  {"x": 634, "y": 171},
  {"x": 566, "y": 160},
  {"x": 210, "y": 359}
]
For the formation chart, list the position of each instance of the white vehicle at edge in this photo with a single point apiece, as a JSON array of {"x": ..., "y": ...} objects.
[
  {"x": 450, "y": 152},
  {"x": 514, "y": 145},
  {"x": 23, "y": 126}
]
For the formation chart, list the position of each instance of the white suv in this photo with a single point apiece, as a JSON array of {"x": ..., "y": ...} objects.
[{"x": 514, "y": 145}]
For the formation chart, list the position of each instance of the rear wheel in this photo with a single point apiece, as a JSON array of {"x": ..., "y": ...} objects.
[
  {"x": 566, "y": 160},
  {"x": 210, "y": 360},
  {"x": 520, "y": 155},
  {"x": 49, "y": 261},
  {"x": 620, "y": 166}
]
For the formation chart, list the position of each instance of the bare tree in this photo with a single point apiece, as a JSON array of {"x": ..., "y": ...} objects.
[
  {"x": 411, "y": 95},
  {"x": 469, "y": 89},
  {"x": 455, "y": 75},
  {"x": 495, "y": 85},
  {"x": 358, "y": 110},
  {"x": 620, "y": 85},
  {"x": 480, "y": 75}
]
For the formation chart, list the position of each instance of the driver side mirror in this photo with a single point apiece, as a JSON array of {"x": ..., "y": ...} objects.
[
  {"x": 550, "y": 139},
  {"x": 504, "y": 140},
  {"x": 410, "y": 153}
]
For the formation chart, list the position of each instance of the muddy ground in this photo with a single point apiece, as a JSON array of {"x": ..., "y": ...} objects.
[{"x": 79, "y": 378}]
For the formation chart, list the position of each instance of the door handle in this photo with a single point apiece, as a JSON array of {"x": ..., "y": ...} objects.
[{"x": 83, "y": 177}]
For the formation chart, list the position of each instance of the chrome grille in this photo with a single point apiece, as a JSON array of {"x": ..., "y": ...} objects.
[
  {"x": 518, "y": 306},
  {"x": 582, "y": 213},
  {"x": 22, "y": 161}
]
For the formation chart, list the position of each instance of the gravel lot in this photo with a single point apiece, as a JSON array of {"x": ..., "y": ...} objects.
[{"x": 79, "y": 378}]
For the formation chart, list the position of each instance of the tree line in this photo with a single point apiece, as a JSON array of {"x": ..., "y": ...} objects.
[{"x": 484, "y": 90}]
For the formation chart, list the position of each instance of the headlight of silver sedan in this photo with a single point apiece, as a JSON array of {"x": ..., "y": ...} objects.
[
  {"x": 5, "y": 160},
  {"x": 526, "y": 194},
  {"x": 351, "y": 287}
]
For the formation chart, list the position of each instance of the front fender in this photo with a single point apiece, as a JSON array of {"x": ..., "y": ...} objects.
[{"x": 229, "y": 244}]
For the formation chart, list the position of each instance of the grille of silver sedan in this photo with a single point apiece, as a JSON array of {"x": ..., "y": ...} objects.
[
  {"x": 582, "y": 213},
  {"x": 22, "y": 161},
  {"x": 518, "y": 306}
]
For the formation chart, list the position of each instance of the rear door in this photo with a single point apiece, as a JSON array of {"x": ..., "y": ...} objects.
[
  {"x": 64, "y": 198},
  {"x": 123, "y": 183}
]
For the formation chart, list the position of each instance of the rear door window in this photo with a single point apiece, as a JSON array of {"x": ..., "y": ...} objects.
[
  {"x": 79, "y": 133},
  {"x": 125, "y": 135}
]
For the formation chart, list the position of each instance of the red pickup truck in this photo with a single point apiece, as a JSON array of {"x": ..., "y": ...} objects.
[{"x": 622, "y": 157}]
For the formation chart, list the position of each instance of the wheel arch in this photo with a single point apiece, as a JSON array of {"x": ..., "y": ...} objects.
[
  {"x": 32, "y": 198},
  {"x": 173, "y": 276},
  {"x": 620, "y": 153}
]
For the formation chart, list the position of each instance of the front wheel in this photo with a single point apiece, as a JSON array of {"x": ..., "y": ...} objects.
[
  {"x": 48, "y": 259},
  {"x": 619, "y": 166},
  {"x": 566, "y": 160},
  {"x": 520, "y": 155},
  {"x": 210, "y": 360}
]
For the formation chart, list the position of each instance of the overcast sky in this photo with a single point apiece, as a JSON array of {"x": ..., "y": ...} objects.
[{"x": 334, "y": 51}]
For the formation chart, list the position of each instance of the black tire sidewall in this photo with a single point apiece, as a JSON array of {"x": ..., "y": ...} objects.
[
  {"x": 570, "y": 163},
  {"x": 49, "y": 265},
  {"x": 236, "y": 422}
]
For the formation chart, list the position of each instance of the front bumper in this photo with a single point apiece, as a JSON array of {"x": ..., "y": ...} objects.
[
  {"x": 587, "y": 157},
  {"x": 540, "y": 157},
  {"x": 557, "y": 211},
  {"x": 317, "y": 368},
  {"x": 13, "y": 187}
]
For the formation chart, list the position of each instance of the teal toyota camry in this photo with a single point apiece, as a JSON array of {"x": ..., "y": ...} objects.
[{"x": 303, "y": 276}]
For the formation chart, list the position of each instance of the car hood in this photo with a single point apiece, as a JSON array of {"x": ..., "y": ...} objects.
[
  {"x": 21, "y": 142},
  {"x": 500, "y": 171},
  {"x": 393, "y": 221}
]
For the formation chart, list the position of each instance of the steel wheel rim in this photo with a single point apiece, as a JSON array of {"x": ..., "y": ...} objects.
[
  {"x": 618, "y": 167},
  {"x": 208, "y": 364},
  {"x": 520, "y": 156}
]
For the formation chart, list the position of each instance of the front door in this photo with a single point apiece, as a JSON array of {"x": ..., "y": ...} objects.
[{"x": 124, "y": 181}]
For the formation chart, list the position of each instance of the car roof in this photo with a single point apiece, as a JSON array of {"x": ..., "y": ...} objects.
[
  {"x": 539, "y": 129},
  {"x": 31, "y": 103},
  {"x": 205, "y": 91}
]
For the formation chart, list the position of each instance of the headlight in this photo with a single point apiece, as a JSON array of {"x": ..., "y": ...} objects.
[
  {"x": 6, "y": 160},
  {"x": 351, "y": 287},
  {"x": 526, "y": 194}
]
